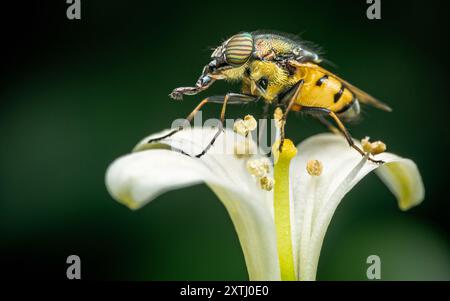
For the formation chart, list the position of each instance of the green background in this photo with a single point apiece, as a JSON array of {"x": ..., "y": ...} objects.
[{"x": 77, "y": 94}]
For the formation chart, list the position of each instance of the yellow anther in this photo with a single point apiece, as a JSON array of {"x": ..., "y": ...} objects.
[
  {"x": 240, "y": 128},
  {"x": 373, "y": 148},
  {"x": 314, "y": 167},
  {"x": 258, "y": 167},
  {"x": 266, "y": 183},
  {"x": 278, "y": 116},
  {"x": 250, "y": 123},
  {"x": 243, "y": 127}
]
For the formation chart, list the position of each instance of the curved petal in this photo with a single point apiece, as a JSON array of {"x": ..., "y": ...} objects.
[
  {"x": 138, "y": 178},
  {"x": 316, "y": 198},
  {"x": 403, "y": 180}
]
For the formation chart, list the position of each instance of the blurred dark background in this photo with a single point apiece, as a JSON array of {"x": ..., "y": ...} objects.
[{"x": 76, "y": 94}]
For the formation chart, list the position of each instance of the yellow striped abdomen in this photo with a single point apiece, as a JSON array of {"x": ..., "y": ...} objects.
[{"x": 323, "y": 91}]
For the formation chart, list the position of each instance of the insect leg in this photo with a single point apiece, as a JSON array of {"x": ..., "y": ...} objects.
[
  {"x": 343, "y": 130},
  {"x": 222, "y": 120},
  {"x": 262, "y": 127},
  {"x": 289, "y": 98},
  {"x": 189, "y": 118},
  {"x": 283, "y": 123},
  {"x": 329, "y": 125},
  {"x": 234, "y": 98},
  {"x": 230, "y": 98}
]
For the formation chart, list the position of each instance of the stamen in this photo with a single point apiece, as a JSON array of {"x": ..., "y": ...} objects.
[
  {"x": 243, "y": 149},
  {"x": 240, "y": 128},
  {"x": 243, "y": 127},
  {"x": 266, "y": 183},
  {"x": 314, "y": 167},
  {"x": 250, "y": 122},
  {"x": 258, "y": 167},
  {"x": 373, "y": 148}
]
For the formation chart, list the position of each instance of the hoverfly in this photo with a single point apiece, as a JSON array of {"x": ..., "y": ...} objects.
[{"x": 281, "y": 71}]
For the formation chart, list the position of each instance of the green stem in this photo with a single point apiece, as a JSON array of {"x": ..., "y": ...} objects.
[{"x": 282, "y": 212}]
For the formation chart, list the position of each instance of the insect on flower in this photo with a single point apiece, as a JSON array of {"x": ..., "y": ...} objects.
[{"x": 281, "y": 71}]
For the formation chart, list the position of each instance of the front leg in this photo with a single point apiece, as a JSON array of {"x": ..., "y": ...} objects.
[
  {"x": 203, "y": 83},
  {"x": 231, "y": 98},
  {"x": 178, "y": 93}
]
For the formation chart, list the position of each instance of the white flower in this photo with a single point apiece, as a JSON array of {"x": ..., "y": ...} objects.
[{"x": 152, "y": 169}]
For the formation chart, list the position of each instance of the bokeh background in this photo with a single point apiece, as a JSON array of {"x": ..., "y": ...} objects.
[{"x": 75, "y": 95}]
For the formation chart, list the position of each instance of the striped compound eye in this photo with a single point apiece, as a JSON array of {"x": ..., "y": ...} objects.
[{"x": 238, "y": 49}]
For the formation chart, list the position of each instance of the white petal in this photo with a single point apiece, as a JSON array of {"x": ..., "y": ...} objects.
[
  {"x": 403, "y": 180},
  {"x": 343, "y": 168},
  {"x": 138, "y": 178}
]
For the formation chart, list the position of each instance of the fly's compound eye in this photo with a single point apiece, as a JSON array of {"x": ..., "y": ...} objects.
[
  {"x": 263, "y": 83},
  {"x": 239, "y": 49}
]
